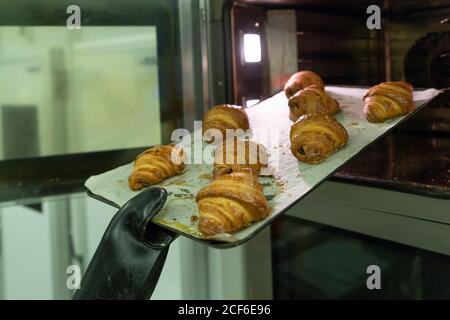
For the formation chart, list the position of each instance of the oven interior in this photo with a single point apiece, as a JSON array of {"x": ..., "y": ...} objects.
[{"x": 332, "y": 39}]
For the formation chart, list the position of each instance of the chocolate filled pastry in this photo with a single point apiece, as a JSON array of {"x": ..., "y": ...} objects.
[
  {"x": 223, "y": 117},
  {"x": 301, "y": 80},
  {"x": 234, "y": 155},
  {"x": 230, "y": 203},
  {"x": 156, "y": 164},
  {"x": 388, "y": 100},
  {"x": 315, "y": 136},
  {"x": 312, "y": 99}
]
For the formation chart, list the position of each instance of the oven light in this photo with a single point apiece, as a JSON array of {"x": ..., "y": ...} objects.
[
  {"x": 251, "y": 102},
  {"x": 252, "y": 48}
]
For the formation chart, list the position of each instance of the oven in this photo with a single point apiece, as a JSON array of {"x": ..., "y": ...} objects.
[{"x": 88, "y": 85}]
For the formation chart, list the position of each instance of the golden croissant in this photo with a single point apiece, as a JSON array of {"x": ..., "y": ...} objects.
[
  {"x": 156, "y": 164},
  {"x": 301, "y": 80},
  {"x": 388, "y": 100},
  {"x": 315, "y": 136},
  {"x": 223, "y": 117},
  {"x": 230, "y": 203},
  {"x": 312, "y": 99},
  {"x": 235, "y": 155}
]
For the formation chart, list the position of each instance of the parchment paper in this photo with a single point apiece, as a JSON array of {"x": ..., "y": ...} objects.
[{"x": 292, "y": 179}]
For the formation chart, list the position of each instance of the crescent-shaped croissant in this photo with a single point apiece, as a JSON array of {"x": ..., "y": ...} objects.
[
  {"x": 315, "y": 136},
  {"x": 223, "y": 117},
  {"x": 312, "y": 99},
  {"x": 235, "y": 155},
  {"x": 230, "y": 203},
  {"x": 301, "y": 80},
  {"x": 156, "y": 164},
  {"x": 388, "y": 100}
]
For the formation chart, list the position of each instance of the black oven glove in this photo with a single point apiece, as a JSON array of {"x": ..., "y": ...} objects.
[{"x": 130, "y": 257}]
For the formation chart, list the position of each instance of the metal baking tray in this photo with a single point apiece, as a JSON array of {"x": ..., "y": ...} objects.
[{"x": 292, "y": 180}]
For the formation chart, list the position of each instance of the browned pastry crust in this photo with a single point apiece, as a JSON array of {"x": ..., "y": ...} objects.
[
  {"x": 315, "y": 136},
  {"x": 301, "y": 80},
  {"x": 388, "y": 100},
  {"x": 235, "y": 155},
  {"x": 312, "y": 99},
  {"x": 230, "y": 203},
  {"x": 223, "y": 117},
  {"x": 156, "y": 164}
]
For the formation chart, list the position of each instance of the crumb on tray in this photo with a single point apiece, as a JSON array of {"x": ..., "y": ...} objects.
[{"x": 207, "y": 176}]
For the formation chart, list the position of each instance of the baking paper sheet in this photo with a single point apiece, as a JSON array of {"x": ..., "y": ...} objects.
[{"x": 292, "y": 179}]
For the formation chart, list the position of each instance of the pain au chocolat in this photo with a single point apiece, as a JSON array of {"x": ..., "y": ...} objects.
[
  {"x": 235, "y": 155},
  {"x": 156, "y": 164},
  {"x": 312, "y": 99},
  {"x": 388, "y": 100},
  {"x": 223, "y": 117},
  {"x": 231, "y": 202},
  {"x": 315, "y": 136},
  {"x": 301, "y": 80}
]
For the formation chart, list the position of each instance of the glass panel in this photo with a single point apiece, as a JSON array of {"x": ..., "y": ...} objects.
[
  {"x": 66, "y": 91},
  {"x": 312, "y": 261},
  {"x": 114, "y": 82}
]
